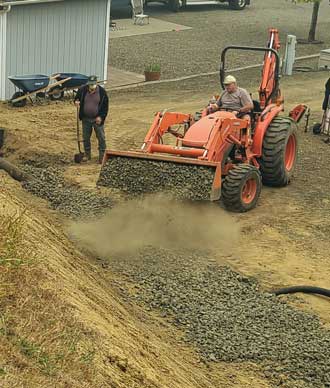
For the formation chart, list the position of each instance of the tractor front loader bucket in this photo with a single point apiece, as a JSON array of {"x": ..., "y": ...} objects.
[{"x": 181, "y": 176}]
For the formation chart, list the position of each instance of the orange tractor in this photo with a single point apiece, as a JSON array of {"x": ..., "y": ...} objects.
[{"x": 225, "y": 156}]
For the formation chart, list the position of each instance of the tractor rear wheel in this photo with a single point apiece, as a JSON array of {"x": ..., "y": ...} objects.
[
  {"x": 241, "y": 188},
  {"x": 279, "y": 152}
]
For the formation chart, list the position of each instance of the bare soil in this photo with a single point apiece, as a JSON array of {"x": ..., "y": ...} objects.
[{"x": 284, "y": 241}]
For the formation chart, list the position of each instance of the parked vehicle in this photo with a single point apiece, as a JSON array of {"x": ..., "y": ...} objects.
[
  {"x": 121, "y": 8},
  {"x": 176, "y": 5}
]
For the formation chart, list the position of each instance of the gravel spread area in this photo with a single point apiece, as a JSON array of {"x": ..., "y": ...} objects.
[
  {"x": 137, "y": 176},
  {"x": 228, "y": 319},
  {"x": 222, "y": 313},
  {"x": 49, "y": 184}
]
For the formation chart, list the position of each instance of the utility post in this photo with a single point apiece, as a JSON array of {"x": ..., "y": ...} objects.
[{"x": 290, "y": 54}]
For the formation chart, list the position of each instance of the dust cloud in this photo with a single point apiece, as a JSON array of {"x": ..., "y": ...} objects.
[{"x": 159, "y": 222}]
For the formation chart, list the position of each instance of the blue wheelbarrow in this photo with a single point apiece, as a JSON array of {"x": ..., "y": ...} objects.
[
  {"x": 72, "y": 81},
  {"x": 35, "y": 84}
]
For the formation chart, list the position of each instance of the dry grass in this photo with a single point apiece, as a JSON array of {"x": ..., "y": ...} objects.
[{"x": 40, "y": 341}]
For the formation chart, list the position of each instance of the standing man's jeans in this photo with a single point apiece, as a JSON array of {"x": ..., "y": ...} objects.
[{"x": 88, "y": 125}]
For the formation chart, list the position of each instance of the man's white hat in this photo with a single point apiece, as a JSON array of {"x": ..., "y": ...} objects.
[{"x": 229, "y": 80}]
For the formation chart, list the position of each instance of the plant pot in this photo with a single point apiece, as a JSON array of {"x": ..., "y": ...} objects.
[{"x": 152, "y": 75}]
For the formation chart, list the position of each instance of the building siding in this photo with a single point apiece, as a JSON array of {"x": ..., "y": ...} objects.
[
  {"x": 106, "y": 46},
  {"x": 56, "y": 37},
  {"x": 3, "y": 24}
]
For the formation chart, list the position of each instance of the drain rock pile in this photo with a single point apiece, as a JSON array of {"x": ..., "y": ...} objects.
[
  {"x": 49, "y": 184},
  {"x": 137, "y": 176}
]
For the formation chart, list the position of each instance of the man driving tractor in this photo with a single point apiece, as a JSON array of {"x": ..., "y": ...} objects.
[{"x": 235, "y": 99}]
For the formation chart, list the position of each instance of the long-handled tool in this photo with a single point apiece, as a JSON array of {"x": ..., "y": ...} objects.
[{"x": 78, "y": 157}]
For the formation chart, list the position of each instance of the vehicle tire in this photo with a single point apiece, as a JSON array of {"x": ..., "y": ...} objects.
[
  {"x": 317, "y": 128},
  {"x": 18, "y": 104},
  {"x": 237, "y": 5},
  {"x": 174, "y": 5},
  {"x": 279, "y": 152},
  {"x": 130, "y": 12},
  {"x": 241, "y": 188},
  {"x": 56, "y": 93}
]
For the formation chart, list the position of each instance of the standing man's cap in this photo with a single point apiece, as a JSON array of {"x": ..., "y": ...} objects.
[
  {"x": 92, "y": 80},
  {"x": 229, "y": 80}
]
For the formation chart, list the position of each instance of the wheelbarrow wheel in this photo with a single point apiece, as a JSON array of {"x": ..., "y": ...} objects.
[
  {"x": 18, "y": 104},
  {"x": 56, "y": 93},
  {"x": 317, "y": 128},
  {"x": 41, "y": 95}
]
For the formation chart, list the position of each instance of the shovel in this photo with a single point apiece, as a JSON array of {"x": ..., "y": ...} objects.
[{"x": 78, "y": 157}]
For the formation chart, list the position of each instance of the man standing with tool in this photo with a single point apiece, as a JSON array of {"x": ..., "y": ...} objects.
[{"x": 93, "y": 103}]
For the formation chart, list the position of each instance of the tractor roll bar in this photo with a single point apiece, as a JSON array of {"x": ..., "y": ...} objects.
[{"x": 251, "y": 48}]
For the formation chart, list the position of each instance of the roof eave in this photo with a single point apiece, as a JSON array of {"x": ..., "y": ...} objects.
[{"x": 25, "y": 2}]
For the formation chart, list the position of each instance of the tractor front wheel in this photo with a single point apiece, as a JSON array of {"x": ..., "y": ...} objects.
[
  {"x": 241, "y": 188},
  {"x": 279, "y": 152}
]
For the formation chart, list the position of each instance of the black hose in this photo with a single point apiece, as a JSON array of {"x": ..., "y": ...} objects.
[
  {"x": 304, "y": 69},
  {"x": 13, "y": 170},
  {"x": 303, "y": 289}
]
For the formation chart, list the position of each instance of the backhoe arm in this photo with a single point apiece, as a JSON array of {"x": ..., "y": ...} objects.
[{"x": 268, "y": 89}]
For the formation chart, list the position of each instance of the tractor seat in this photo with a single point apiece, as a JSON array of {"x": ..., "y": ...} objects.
[
  {"x": 256, "y": 106},
  {"x": 254, "y": 114},
  {"x": 199, "y": 133}
]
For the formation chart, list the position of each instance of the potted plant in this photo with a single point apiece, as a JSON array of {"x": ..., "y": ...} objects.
[{"x": 152, "y": 72}]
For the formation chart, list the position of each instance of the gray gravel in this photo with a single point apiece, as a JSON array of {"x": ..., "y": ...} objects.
[
  {"x": 136, "y": 176},
  {"x": 195, "y": 51},
  {"x": 69, "y": 199},
  {"x": 228, "y": 319}
]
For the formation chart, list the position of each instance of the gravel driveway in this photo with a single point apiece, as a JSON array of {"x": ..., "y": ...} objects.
[{"x": 214, "y": 27}]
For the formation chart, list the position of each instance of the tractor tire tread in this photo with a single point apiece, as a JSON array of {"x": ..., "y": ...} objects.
[
  {"x": 272, "y": 161},
  {"x": 232, "y": 187}
]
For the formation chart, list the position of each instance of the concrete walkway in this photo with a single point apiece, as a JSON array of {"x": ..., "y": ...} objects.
[
  {"x": 118, "y": 78},
  {"x": 125, "y": 27}
]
